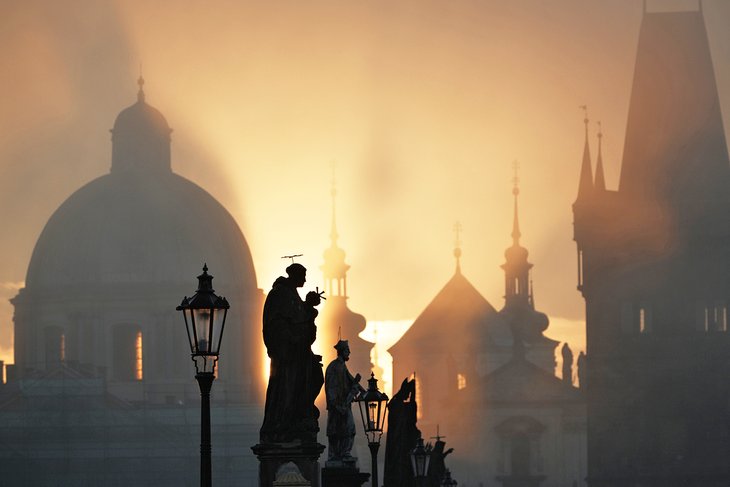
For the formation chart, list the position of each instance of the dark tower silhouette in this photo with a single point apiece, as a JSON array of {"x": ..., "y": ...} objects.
[
  {"x": 337, "y": 318},
  {"x": 653, "y": 267}
]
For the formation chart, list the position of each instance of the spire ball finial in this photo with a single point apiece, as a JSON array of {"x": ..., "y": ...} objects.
[{"x": 140, "y": 93}]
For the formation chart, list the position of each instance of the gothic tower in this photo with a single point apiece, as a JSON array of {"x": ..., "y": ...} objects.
[{"x": 653, "y": 267}]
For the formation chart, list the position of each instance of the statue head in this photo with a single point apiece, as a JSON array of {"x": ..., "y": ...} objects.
[
  {"x": 297, "y": 274},
  {"x": 343, "y": 349}
]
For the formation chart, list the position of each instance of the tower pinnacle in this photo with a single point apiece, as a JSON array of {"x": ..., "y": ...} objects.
[
  {"x": 585, "y": 185},
  {"x": 600, "y": 179}
]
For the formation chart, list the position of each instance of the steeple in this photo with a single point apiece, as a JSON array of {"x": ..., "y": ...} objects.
[
  {"x": 675, "y": 151},
  {"x": 585, "y": 185},
  {"x": 600, "y": 179},
  {"x": 457, "y": 246},
  {"x": 516, "y": 268},
  {"x": 516, "y": 192},
  {"x": 334, "y": 267}
]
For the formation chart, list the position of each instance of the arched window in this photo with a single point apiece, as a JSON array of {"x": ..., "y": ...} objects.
[
  {"x": 55, "y": 345},
  {"x": 127, "y": 353}
]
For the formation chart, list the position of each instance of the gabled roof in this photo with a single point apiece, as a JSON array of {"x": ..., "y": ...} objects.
[{"x": 458, "y": 310}]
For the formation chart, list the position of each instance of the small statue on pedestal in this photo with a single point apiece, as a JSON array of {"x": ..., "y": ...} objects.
[{"x": 341, "y": 389}]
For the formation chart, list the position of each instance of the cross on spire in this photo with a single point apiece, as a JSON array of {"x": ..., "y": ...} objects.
[{"x": 457, "y": 245}]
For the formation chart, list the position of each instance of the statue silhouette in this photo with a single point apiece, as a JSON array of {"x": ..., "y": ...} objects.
[
  {"x": 402, "y": 436},
  {"x": 296, "y": 375}
]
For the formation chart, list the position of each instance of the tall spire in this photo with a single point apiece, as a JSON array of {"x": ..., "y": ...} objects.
[
  {"x": 333, "y": 193},
  {"x": 600, "y": 179},
  {"x": 516, "y": 192},
  {"x": 334, "y": 266},
  {"x": 516, "y": 266},
  {"x": 585, "y": 186},
  {"x": 457, "y": 246}
]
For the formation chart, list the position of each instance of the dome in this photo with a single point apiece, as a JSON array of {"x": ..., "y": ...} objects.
[
  {"x": 516, "y": 253},
  {"x": 141, "y": 138},
  {"x": 125, "y": 228},
  {"x": 141, "y": 118},
  {"x": 141, "y": 224}
]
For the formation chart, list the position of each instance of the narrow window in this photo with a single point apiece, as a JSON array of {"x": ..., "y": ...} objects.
[
  {"x": 642, "y": 320},
  {"x": 62, "y": 351},
  {"x": 127, "y": 353},
  {"x": 460, "y": 381},
  {"x": 138, "y": 356}
]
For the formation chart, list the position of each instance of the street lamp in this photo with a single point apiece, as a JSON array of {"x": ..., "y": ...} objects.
[
  {"x": 205, "y": 316},
  {"x": 420, "y": 460},
  {"x": 448, "y": 481},
  {"x": 373, "y": 408}
]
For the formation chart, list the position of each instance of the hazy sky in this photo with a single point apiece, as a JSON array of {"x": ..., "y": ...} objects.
[{"x": 423, "y": 105}]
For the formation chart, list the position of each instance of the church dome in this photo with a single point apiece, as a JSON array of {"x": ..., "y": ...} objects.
[
  {"x": 135, "y": 228},
  {"x": 140, "y": 224}
]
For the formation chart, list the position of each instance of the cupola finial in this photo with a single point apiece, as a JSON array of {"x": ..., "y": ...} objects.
[{"x": 140, "y": 83}]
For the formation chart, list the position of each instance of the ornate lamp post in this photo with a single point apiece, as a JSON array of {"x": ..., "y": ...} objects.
[
  {"x": 373, "y": 409},
  {"x": 420, "y": 460},
  {"x": 205, "y": 316},
  {"x": 448, "y": 481}
]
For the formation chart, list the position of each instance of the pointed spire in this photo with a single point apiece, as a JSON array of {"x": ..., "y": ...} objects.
[
  {"x": 334, "y": 266},
  {"x": 333, "y": 193},
  {"x": 600, "y": 179},
  {"x": 585, "y": 186},
  {"x": 140, "y": 93},
  {"x": 457, "y": 246},
  {"x": 516, "y": 192}
]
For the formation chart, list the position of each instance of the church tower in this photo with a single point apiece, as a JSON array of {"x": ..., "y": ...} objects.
[
  {"x": 653, "y": 267},
  {"x": 526, "y": 324},
  {"x": 338, "y": 321}
]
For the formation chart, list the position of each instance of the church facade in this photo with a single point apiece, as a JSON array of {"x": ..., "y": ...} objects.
[
  {"x": 487, "y": 378},
  {"x": 102, "y": 391},
  {"x": 654, "y": 263}
]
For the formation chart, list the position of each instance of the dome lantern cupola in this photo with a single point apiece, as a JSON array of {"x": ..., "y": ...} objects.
[{"x": 141, "y": 138}]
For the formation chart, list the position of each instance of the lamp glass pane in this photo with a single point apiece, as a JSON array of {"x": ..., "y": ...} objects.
[
  {"x": 187, "y": 314},
  {"x": 219, "y": 318},
  {"x": 202, "y": 319},
  {"x": 372, "y": 415}
]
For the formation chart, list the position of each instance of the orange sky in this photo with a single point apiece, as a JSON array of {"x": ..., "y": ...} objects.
[{"x": 423, "y": 106}]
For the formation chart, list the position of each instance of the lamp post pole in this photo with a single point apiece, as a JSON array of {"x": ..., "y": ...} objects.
[
  {"x": 205, "y": 382},
  {"x": 374, "y": 446},
  {"x": 205, "y": 317}
]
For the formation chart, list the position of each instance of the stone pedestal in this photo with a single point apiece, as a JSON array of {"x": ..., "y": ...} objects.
[
  {"x": 343, "y": 476},
  {"x": 273, "y": 455}
]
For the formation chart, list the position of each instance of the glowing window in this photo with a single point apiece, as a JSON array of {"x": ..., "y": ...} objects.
[
  {"x": 138, "y": 356},
  {"x": 62, "y": 346},
  {"x": 460, "y": 381},
  {"x": 642, "y": 320}
]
